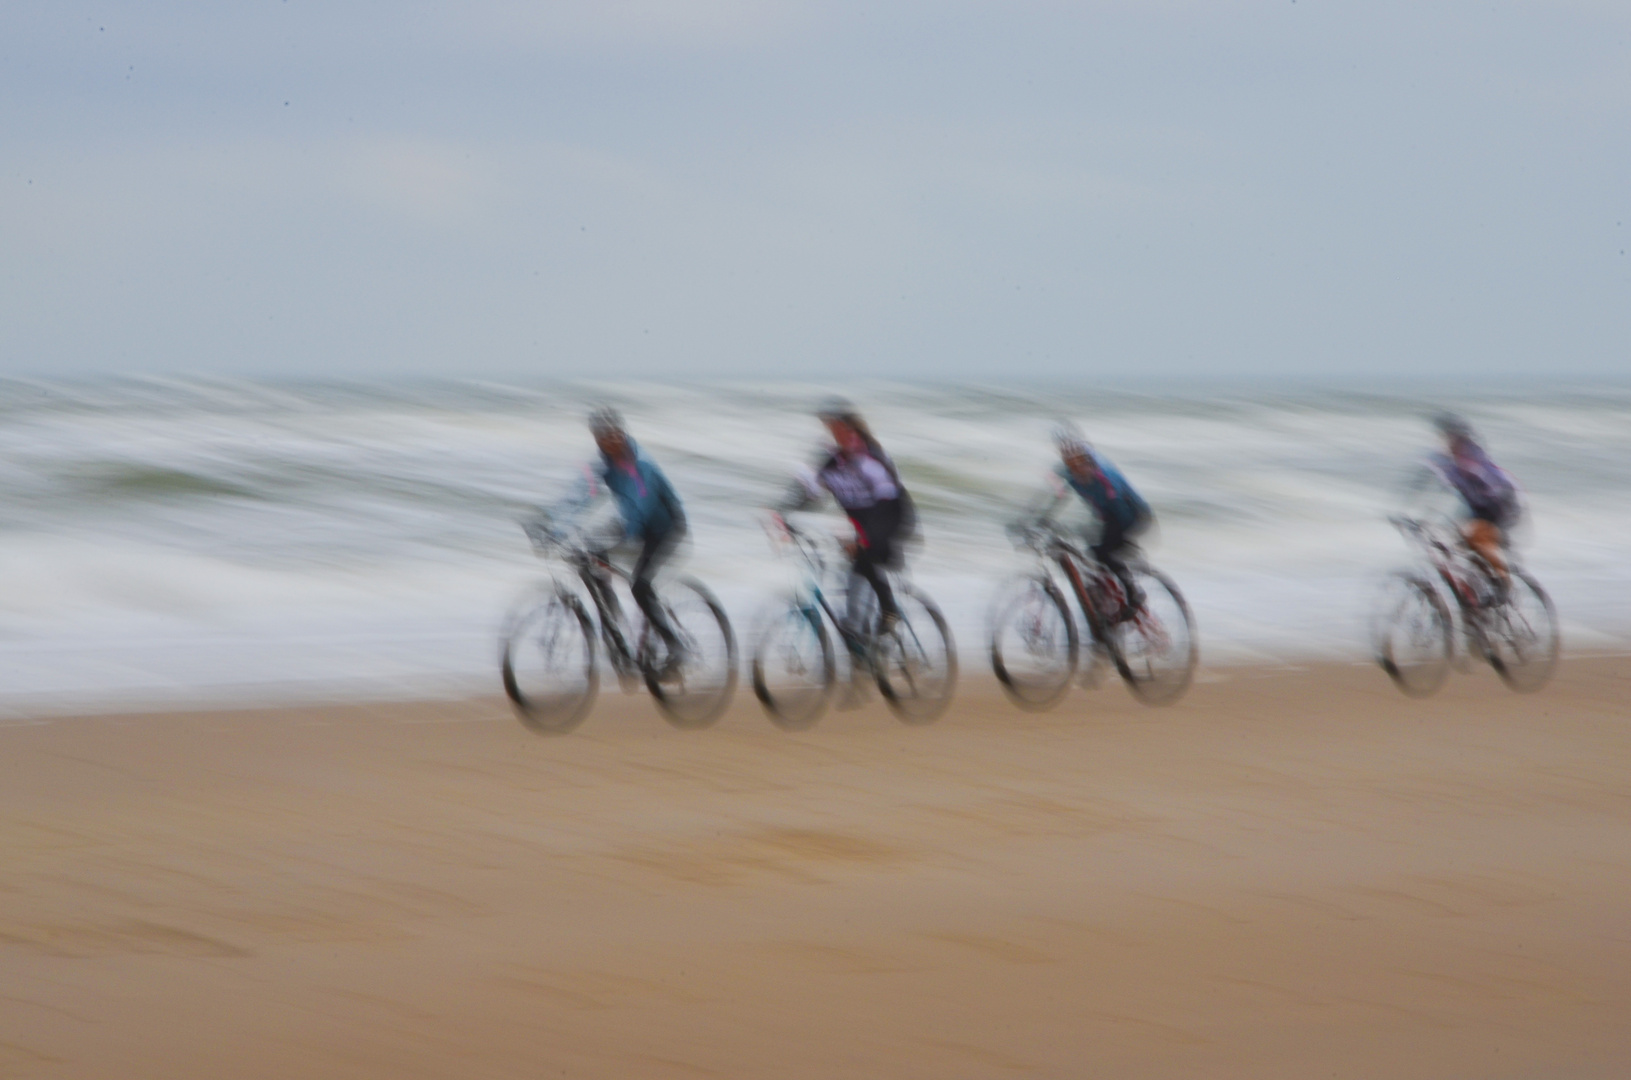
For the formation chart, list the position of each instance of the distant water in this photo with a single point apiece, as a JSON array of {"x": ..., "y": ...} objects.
[{"x": 176, "y": 541}]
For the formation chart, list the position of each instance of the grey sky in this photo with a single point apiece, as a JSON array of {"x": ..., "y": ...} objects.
[{"x": 729, "y": 188}]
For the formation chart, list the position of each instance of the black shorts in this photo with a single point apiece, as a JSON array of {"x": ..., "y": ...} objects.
[{"x": 877, "y": 530}]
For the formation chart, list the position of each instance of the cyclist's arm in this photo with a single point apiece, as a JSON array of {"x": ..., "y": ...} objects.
[
  {"x": 803, "y": 492},
  {"x": 583, "y": 491}
]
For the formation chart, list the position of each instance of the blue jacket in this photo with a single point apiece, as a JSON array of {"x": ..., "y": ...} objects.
[
  {"x": 1108, "y": 493},
  {"x": 649, "y": 506}
]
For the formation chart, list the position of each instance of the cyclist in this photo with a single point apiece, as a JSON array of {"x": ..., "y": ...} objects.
[
  {"x": 648, "y": 506},
  {"x": 863, "y": 481},
  {"x": 1487, "y": 492},
  {"x": 1122, "y": 513}
]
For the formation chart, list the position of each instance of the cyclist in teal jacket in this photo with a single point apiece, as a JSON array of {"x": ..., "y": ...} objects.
[
  {"x": 650, "y": 509},
  {"x": 1122, "y": 513}
]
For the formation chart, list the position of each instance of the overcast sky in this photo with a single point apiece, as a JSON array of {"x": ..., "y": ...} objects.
[{"x": 699, "y": 188}]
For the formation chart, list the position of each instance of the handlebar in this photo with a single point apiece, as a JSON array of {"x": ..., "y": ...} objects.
[
  {"x": 548, "y": 539},
  {"x": 1422, "y": 533},
  {"x": 807, "y": 544},
  {"x": 1042, "y": 537}
]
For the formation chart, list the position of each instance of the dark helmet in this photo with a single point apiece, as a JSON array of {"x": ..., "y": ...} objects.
[
  {"x": 1453, "y": 427},
  {"x": 837, "y": 408},
  {"x": 605, "y": 420}
]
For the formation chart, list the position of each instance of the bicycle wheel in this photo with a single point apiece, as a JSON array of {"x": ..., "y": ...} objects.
[
  {"x": 793, "y": 668},
  {"x": 548, "y": 664},
  {"x": 1521, "y": 636},
  {"x": 1413, "y": 635},
  {"x": 693, "y": 691},
  {"x": 1155, "y": 648},
  {"x": 915, "y": 664},
  {"x": 1034, "y": 647}
]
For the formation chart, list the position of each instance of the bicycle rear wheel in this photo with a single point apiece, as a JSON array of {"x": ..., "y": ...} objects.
[
  {"x": 1155, "y": 648},
  {"x": 1521, "y": 636},
  {"x": 1034, "y": 645},
  {"x": 1413, "y": 635},
  {"x": 793, "y": 668},
  {"x": 915, "y": 664},
  {"x": 693, "y": 689},
  {"x": 548, "y": 665}
]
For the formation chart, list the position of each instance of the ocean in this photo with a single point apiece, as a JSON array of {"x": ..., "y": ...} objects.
[{"x": 175, "y": 542}]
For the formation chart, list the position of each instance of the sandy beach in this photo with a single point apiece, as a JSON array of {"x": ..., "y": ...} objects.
[{"x": 1295, "y": 873}]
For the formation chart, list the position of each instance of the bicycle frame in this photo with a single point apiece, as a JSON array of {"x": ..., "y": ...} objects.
[
  {"x": 1095, "y": 588},
  {"x": 595, "y": 572},
  {"x": 1455, "y": 568},
  {"x": 816, "y": 569}
]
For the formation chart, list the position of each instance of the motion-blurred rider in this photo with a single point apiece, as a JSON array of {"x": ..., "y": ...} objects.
[
  {"x": 1487, "y": 492},
  {"x": 1122, "y": 514},
  {"x": 863, "y": 481},
  {"x": 648, "y": 505}
]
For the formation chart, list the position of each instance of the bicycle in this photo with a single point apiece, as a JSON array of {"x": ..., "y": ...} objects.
[
  {"x": 1413, "y": 628},
  {"x": 1035, "y": 642},
  {"x": 913, "y": 663},
  {"x": 548, "y": 661}
]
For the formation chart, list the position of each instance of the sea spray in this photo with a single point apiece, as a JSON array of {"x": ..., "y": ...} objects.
[{"x": 177, "y": 540}]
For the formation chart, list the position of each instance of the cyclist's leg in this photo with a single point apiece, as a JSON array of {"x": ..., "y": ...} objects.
[
  {"x": 1483, "y": 536},
  {"x": 654, "y": 552},
  {"x": 868, "y": 567},
  {"x": 875, "y": 552},
  {"x": 1114, "y": 547}
]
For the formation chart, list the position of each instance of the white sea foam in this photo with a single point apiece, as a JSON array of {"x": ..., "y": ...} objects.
[{"x": 190, "y": 540}]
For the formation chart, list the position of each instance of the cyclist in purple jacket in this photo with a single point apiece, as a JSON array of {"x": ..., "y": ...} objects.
[{"x": 1486, "y": 490}]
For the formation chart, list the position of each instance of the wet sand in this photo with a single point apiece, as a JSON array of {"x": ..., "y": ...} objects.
[{"x": 1294, "y": 873}]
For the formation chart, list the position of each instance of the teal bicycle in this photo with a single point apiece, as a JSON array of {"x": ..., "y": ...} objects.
[{"x": 796, "y": 667}]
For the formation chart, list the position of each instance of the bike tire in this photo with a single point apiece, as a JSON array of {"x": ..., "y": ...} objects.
[
  {"x": 1414, "y": 635},
  {"x": 1155, "y": 649},
  {"x": 1521, "y": 637},
  {"x": 697, "y": 692},
  {"x": 1034, "y": 644},
  {"x": 915, "y": 664},
  {"x": 794, "y": 668},
  {"x": 548, "y": 665}
]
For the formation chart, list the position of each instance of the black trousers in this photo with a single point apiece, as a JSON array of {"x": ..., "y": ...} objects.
[
  {"x": 654, "y": 552},
  {"x": 1116, "y": 542},
  {"x": 877, "y": 528}
]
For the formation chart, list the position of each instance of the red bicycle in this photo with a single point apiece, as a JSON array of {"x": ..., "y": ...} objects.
[{"x": 1035, "y": 645}]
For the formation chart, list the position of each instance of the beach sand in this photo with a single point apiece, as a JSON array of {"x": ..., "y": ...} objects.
[{"x": 1294, "y": 873}]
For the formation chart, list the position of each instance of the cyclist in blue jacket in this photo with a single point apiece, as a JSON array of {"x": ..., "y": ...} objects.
[
  {"x": 651, "y": 513},
  {"x": 1122, "y": 513}
]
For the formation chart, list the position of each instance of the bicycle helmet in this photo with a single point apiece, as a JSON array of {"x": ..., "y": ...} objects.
[
  {"x": 836, "y": 408},
  {"x": 605, "y": 420},
  {"x": 1453, "y": 426},
  {"x": 1069, "y": 439}
]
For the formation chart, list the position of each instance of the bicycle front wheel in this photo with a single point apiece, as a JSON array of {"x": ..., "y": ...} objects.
[
  {"x": 915, "y": 664},
  {"x": 1521, "y": 636},
  {"x": 548, "y": 665},
  {"x": 1034, "y": 645},
  {"x": 1413, "y": 635},
  {"x": 693, "y": 688},
  {"x": 1155, "y": 646},
  {"x": 793, "y": 668}
]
